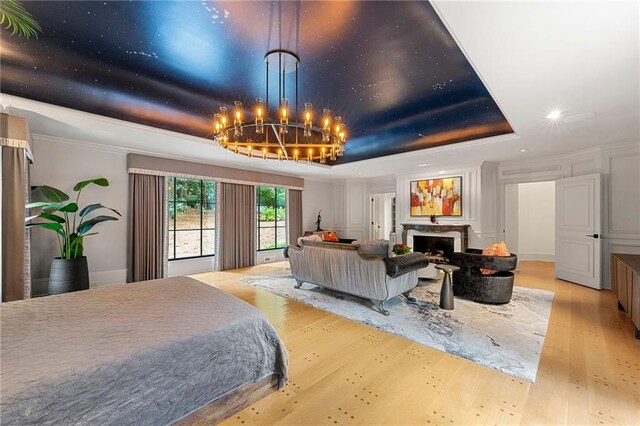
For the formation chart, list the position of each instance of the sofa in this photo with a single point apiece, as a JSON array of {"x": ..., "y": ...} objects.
[
  {"x": 355, "y": 269},
  {"x": 470, "y": 283}
]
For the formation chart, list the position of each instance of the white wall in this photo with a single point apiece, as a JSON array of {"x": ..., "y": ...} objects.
[
  {"x": 61, "y": 164},
  {"x": 536, "y": 221},
  {"x": 317, "y": 195}
]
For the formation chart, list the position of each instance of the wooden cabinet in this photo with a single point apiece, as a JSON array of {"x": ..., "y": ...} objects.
[{"x": 625, "y": 284}]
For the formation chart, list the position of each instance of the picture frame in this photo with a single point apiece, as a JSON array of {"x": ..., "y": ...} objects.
[{"x": 441, "y": 196}]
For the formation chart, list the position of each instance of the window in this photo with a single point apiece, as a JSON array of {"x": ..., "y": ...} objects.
[
  {"x": 192, "y": 218},
  {"x": 272, "y": 217}
]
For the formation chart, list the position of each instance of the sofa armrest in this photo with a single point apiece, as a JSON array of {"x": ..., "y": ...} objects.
[{"x": 400, "y": 265}]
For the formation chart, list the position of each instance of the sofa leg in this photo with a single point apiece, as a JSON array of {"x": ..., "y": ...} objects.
[
  {"x": 410, "y": 298},
  {"x": 379, "y": 306},
  {"x": 298, "y": 283}
]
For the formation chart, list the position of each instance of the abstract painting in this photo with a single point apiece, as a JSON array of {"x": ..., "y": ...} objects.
[{"x": 439, "y": 197}]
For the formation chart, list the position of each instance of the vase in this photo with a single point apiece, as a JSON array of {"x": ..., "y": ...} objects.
[{"x": 68, "y": 275}]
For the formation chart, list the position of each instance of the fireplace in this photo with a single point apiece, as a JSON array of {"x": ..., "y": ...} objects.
[
  {"x": 438, "y": 238},
  {"x": 438, "y": 249}
]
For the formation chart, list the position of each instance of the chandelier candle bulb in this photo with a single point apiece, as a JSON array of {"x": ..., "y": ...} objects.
[
  {"x": 259, "y": 115},
  {"x": 223, "y": 117},
  {"x": 308, "y": 107},
  {"x": 284, "y": 115}
]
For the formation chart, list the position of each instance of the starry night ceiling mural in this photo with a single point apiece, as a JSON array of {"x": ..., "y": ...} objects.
[{"x": 391, "y": 69}]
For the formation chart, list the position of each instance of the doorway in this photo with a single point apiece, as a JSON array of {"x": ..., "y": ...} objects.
[
  {"x": 529, "y": 220},
  {"x": 383, "y": 215}
]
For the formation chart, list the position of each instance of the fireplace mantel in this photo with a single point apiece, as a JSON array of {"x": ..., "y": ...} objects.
[{"x": 428, "y": 228}]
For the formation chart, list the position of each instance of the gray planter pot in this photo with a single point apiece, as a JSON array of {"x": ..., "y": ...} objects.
[{"x": 68, "y": 275}]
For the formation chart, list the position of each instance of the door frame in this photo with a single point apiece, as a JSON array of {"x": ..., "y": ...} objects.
[
  {"x": 503, "y": 182},
  {"x": 370, "y": 196}
]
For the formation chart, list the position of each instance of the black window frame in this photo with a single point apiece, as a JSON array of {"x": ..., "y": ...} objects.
[
  {"x": 275, "y": 222},
  {"x": 172, "y": 204}
]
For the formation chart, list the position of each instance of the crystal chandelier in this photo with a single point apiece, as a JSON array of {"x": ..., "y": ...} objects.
[{"x": 282, "y": 136}]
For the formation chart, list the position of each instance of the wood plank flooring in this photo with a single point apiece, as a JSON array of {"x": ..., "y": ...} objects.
[{"x": 346, "y": 373}]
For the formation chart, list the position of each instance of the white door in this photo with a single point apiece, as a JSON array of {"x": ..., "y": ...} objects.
[
  {"x": 578, "y": 230},
  {"x": 376, "y": 217}
]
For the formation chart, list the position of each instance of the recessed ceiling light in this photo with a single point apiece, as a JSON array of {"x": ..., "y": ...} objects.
[
  {"x": 442, "y": 171},
  {"x": 421, "y": 135},
  {"x": 554, "y": 115},
  {"x": 424, "y": 164},
  {"x": 524, "y": 150}
]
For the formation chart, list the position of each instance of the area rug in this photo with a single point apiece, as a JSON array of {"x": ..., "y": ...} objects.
[{"x": 507, "y": 338}]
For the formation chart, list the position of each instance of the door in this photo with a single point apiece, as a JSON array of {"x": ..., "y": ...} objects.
[
  {"x": 578, "y": 230},
  {"x": 381, "y": 213}
]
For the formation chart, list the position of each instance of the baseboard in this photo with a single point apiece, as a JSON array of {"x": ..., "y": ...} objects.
[
  {"x": 537, "y": 257},
  {"x": 101, "y": 278}
]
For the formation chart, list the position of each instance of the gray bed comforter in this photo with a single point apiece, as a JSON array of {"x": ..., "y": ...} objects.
[{"x": 144, "y": 353}]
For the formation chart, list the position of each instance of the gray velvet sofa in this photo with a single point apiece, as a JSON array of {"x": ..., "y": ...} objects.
[{"x": 350, "y": 269}]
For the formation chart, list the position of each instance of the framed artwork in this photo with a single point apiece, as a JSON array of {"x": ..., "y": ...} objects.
[{"x": 438, "y": 197}]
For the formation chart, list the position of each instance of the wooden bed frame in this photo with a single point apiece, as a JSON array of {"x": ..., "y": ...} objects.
[{"x": 231, "y": 403}]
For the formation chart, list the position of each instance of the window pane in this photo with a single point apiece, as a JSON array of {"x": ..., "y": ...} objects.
[
  {"x": 171, "y": 240},
  {"x": 187, "y": 189},
  {"x": 208, "y": 242},
  {"x": 209, "y": 216},
  {"x": 187, "y": 244},
  {"x": 209, "y": 194},
  {"x": 267, "y": 238},
  {"x": 282, "y": 237},
  {"x": 170, "y": 189},
  {"x": 187, "y": 215},
  {"x": 281, "y": 195},
  {"x": 172, "y": 213}
]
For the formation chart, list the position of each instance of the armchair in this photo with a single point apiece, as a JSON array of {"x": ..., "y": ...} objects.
[{"x": 470, "y": 283}]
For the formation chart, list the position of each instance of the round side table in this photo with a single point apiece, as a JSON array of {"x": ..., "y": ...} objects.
[{"x": 446, "y": 292}]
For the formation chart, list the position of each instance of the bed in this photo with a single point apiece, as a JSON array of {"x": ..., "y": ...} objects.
[{"x": 156, "y": 352}]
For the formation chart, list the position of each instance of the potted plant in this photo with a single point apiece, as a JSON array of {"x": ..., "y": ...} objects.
[
  {"x": 69, "y": 271},
  {"x": 399, "y": 249}
]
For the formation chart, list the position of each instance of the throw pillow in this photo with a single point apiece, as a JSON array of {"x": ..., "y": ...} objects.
[
  {"x": 330, "y": 236},
  {"x": 373, "y": 247},
  {"x": 497, "y": 249}
]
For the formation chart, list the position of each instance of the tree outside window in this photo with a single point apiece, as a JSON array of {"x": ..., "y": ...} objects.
[
  {"x": 272, "y": 221},
  {"x": 192, "y": 218}
]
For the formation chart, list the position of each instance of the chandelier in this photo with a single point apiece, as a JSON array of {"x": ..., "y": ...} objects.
[{"x": 285, "y": 135}]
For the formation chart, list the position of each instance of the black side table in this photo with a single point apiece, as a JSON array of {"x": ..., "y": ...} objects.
[{"x": 446, "y": 292}]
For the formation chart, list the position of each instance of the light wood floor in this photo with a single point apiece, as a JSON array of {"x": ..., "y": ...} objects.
[{"x": 343, "y": 372}]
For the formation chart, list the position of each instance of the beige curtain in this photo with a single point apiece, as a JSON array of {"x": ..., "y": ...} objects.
[
  {"x": 295, "y": 215},
  {"x": 237, "y": 226},
  {"x": 15, "y": 284},
  {"x": 146, "y": 228}
]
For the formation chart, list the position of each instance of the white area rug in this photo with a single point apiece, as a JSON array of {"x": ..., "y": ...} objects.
[{"x": 508, "y": 338}]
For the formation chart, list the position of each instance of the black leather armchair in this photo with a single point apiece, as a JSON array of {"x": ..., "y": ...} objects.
[{"x": 470, "y": 283}]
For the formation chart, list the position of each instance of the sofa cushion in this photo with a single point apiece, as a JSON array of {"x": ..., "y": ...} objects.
[
  {"x": 378, "y": 248},
  {"x": 497, "y": 249},
  {"x": 400, "y": 265}
]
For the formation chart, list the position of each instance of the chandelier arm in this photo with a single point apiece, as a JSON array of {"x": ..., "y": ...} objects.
[{"x": 280, "y": 144}]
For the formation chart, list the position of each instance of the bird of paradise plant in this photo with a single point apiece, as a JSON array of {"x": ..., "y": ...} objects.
[
  {"x": 15, "y": 17},
  {"x": 70, "y": 223}
]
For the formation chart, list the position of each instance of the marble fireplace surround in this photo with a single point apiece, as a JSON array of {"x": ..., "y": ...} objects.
[{"x": 459, "y": 232}]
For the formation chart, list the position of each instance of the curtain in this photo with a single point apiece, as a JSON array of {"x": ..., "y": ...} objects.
[
  {"x": 295, "y": 215},
  {"x": 236, "y": 226},
  {"x": 146, "y": 255},
  {"x": 15, "y": 283}
]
